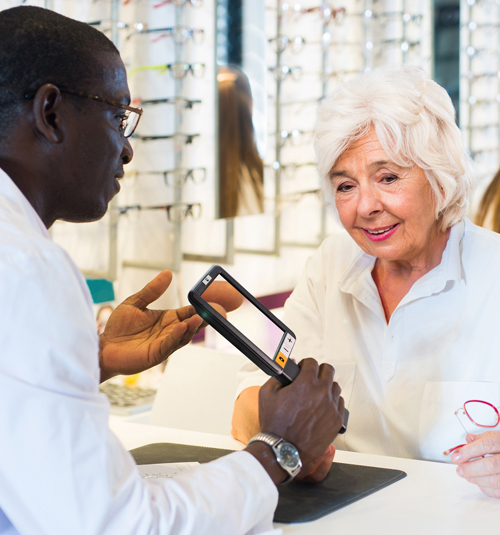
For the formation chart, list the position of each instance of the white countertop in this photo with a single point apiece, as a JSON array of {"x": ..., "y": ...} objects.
[{"x": 432, "y": 499}]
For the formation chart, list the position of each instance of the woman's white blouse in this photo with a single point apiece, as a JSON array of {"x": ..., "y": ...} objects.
[{"x": 403, "y": 380}]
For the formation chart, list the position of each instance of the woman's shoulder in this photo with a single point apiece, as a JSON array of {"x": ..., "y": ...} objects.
[
  {"x": 479, "y": 236},
  {"x": 481, "y": 246}
]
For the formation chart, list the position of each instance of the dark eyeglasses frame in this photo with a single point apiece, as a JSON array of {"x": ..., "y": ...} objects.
[
  {"x": 139, "y": 111},
  {"x": 190, "y": 209},
  {"x": 188, "y": 138},
  {"x": 178, "y": 101}
]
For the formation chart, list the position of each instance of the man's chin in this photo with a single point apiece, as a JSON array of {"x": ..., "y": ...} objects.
[{"x": 83, "y": 215}]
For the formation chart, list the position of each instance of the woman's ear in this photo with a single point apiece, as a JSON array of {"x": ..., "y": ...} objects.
[{"x": 46, "y": 113}]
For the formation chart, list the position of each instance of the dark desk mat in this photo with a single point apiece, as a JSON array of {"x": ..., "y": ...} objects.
[{"x": 298, "y": 502}]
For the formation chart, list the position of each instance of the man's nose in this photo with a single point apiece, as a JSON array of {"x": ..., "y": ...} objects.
[{"x": 127, "y": 152}]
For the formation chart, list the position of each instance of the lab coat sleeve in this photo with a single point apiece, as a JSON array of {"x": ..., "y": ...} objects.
[{"x": 61, "y": 469}]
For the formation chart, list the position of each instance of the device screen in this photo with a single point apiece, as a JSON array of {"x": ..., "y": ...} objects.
[{"x": 255, "y": 325}]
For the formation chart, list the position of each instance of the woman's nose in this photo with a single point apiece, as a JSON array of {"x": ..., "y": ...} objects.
[{"x": 369, "y": 203}]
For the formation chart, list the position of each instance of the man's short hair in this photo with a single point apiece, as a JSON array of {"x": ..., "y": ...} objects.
[{"x": 39, "y": 46}]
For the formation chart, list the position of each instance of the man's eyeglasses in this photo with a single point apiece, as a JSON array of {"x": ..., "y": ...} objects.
[
  {"x": 129, "y": 120},
  {"x": 480, "y": 413}
]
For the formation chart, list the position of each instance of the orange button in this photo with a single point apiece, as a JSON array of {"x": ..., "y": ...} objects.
[{"x": 281, "y": 359}]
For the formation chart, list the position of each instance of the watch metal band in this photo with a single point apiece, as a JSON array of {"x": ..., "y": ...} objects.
[{"x": 274, "y": 441}]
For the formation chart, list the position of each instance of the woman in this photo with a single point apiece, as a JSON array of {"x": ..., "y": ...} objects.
[
  {"x": 404, "y": 304},
  {"x": 241, "y": 184},
  {"x": 488, "y": 213}
]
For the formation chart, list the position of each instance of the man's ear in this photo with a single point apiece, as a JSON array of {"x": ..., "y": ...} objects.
[{"x": 46, "y": 113}]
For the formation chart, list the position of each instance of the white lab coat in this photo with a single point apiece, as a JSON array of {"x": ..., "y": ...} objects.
[{"x": 61, "y": 469}]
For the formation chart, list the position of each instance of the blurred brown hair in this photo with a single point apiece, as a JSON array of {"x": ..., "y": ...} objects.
[
  {"x": 490, "y": 204},
  {"x": 237, "y": 147}
]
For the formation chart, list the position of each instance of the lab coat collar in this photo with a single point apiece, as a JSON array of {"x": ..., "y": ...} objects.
[{"x": 18, "y": 206}]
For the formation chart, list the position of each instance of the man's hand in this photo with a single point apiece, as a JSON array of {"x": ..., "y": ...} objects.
[
  {"x": 308, "y": 413},
  {"x": 483, "y": 471},
  {"x": 137, "y": 338}
]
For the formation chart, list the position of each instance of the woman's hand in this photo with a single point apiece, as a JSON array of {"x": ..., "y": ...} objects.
[{"x": 475, "y": 467}]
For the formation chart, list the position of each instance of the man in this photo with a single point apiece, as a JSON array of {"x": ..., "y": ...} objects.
[{"x": 63, "y": 145}]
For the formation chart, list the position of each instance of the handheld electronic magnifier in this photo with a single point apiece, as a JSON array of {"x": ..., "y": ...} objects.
[{"x": 264, "y": 339}]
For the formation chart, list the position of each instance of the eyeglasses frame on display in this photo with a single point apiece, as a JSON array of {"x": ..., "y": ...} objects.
[
  {"x": 168, "y": 208},
  {"x": 188, "y": 138},
  {"x": 179, "y": 3},
  {"x": 188, "y": 103},
  {"x": 281, "y": 73},
  {"x": 173, "y": 31},
  {"x": 170, "y": 67},
  {"x": 185, "y": 173}
]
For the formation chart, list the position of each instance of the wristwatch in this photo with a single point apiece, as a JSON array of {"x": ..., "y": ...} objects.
[{"x": 287, "y": 454}]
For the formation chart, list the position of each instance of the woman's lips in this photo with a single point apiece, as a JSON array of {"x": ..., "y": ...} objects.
[{"x": 380, "y": 233}]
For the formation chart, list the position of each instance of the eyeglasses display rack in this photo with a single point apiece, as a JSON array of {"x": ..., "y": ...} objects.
[
  {"x": 311, "y": 48},
  {"x": 338, "y": 41},
  {"x": 176, "y": 252},
  {"x": 480, "y": 84}
]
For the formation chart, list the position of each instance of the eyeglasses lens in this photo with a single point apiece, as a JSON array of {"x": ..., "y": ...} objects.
[
  {"x": 178, "y": 176},
  {"x": 177, "y": 212},
  {"x": 197, "y": 69},
  {"x": 179, "y": 70},
  {"x": 181, "y": 35},
  {"x": 197, "y": 36},
  {"x": 482, "y": 414},
  {"x": 198, "y": 175},
  {"x": 297, "y": 44},
  {"x": 195, "y": 210},
  {"x": 131, "y": 124}
]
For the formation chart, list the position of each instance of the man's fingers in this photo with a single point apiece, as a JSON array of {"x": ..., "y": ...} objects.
[
  {"x": 151, "y": 292},
  {"x": 326, "y": 372},
  {"x": 271, "y": 384},
  {"x": 308, "y": 367},
  {"x": 172, "y": 342},
  {"x": 185, "y": 313}
]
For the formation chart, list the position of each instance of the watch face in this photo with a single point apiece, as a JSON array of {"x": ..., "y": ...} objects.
[{"x": 288, "y": 456}]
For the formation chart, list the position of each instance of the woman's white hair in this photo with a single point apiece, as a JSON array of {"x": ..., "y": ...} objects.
[{"x": 414, "y": 120}]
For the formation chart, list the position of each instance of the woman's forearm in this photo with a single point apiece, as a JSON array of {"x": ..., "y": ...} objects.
[{"x": 245, "y": 422}]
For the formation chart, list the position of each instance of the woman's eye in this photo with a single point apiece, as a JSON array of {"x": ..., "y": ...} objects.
[
  {"x": 344, "y": 188},
  {"x": 389, "y": 179}
]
